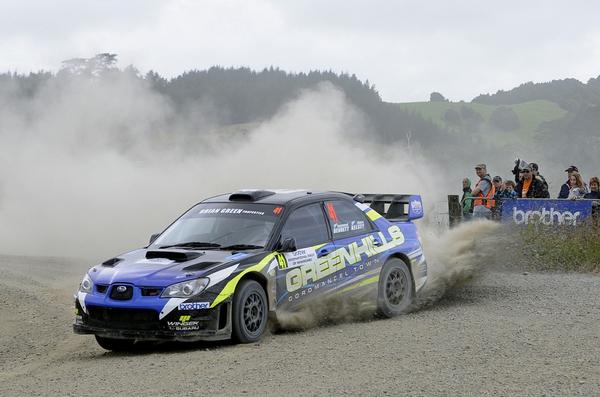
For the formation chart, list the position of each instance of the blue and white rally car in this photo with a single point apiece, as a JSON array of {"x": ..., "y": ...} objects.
[{"x": 232, "y": 261}]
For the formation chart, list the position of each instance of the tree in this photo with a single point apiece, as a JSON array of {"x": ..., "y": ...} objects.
[
  {"x": 94, "y": 66},
  {"x": 437, "y": 97}
]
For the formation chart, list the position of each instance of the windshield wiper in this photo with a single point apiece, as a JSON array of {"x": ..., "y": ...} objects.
[
  {"x": 193, "y": 244},
  {"x": 239, "y": 247}
]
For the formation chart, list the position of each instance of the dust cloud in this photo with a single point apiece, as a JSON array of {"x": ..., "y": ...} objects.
[
  {"x": 456, "y": 256},
  {"x": 90, "y": 170}
]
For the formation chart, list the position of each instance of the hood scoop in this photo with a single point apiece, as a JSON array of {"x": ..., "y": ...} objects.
[
  {"x": 177, "y": 256},
  {"x": 111, "y": 262},
  {"x": 199, "y": 266}
]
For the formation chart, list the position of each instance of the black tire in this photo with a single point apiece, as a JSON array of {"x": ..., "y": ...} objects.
[
  {"x": 116, "y": 345},
  {"x": 249, "y": 312},
  {"x": 396, "y": 292}
]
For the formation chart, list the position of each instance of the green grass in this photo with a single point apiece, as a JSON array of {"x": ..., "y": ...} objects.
[
  {"x": 530, "y": 114},
  {"x": 566, "y": 248}
]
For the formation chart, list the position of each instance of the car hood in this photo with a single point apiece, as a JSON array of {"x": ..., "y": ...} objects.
[{"x": 159, "y": 268}]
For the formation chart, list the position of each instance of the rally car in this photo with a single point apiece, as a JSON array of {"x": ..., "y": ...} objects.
[{"x": 233, "y": 261}]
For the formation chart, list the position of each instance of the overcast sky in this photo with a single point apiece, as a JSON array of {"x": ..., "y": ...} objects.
[{"x": 406, "y": 48}]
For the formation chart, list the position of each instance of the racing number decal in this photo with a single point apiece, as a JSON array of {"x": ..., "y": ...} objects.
[
  {"x": 281, "y": 261},
  {"x": 331, "y": 212}
]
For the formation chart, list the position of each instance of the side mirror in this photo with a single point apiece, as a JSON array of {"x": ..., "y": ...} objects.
[
  {"x": 288, "y": 245},
  {"x": 153, "y": 237}
]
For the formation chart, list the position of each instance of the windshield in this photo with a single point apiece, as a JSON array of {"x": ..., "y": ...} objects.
[{"x": 222, "y": 225}]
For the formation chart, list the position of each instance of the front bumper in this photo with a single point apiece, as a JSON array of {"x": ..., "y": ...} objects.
[{"x": 143, "y": 324}]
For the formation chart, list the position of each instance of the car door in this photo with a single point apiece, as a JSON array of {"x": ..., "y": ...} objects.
[
  {"x": 298, "y": 275},
  {"x": 355, "y": 239}
]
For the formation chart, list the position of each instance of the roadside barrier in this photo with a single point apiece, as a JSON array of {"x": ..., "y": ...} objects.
[{"x": 531, "y": 211}]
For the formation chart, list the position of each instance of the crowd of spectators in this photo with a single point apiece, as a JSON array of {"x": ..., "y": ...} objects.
[{"x": 486, "y": 197}]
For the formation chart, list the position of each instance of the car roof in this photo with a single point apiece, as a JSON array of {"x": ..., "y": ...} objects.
[{"x": 274, "y": 196}]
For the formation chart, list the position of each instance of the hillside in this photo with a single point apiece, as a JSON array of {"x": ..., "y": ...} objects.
[{"x": 472, "y": 120}]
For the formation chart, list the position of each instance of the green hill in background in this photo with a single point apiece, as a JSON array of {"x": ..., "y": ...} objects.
[
  {"x": 559, "y": 119},
  {"x": 475, "y": 120}
]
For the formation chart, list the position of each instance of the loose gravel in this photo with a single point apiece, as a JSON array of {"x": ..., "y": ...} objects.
[{"x": 507, "y": 332}]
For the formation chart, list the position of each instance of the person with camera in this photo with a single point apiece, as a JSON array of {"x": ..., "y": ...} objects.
[
  {"x": 536, "y": 174},
  {"x": 529, "y": 186}
]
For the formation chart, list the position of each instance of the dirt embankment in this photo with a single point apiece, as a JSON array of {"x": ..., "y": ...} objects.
[{"x": 505, "y": 333}]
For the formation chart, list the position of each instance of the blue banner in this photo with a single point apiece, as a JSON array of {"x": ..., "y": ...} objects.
[{"x": 546, "y": 212}]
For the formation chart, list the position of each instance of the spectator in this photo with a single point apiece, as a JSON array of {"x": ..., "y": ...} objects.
[
  {"x": 566, "y": 187},
  {"x": 484, "y": 191},
  {"x": 509, "y": 189},
  {"x": 504, "y": 191},
  {"x": 498, "y": 185},
  {"x": 465, "y": 202},
  {"x": 536, "y": 174},
  {"x": 577, "y": 187},
  {"x": 594, "y": 189},
  {"x": 528, "y": 186}
]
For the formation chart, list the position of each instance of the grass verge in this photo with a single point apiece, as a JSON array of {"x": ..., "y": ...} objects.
[{"x": 568, "y": 248}]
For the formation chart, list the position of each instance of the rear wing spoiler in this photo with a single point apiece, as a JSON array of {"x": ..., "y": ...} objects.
[{"x": 393, "y": 207}]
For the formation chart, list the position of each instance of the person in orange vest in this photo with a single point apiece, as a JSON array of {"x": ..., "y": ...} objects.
[{"x": 484, "y": 189}]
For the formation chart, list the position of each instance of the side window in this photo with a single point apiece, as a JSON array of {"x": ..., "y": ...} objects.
[
  {"x": 346, "y": 220},
  {"x": 307, "y": 226}
]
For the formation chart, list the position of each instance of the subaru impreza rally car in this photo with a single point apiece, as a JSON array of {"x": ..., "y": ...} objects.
[{"x": 232, "y": 261}]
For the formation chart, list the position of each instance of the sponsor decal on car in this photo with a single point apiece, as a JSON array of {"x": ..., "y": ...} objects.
[
  {"x": 340, "y": 228},
  {"x": 348, "y": 273},
  {"x": 194, "y": 306},
  {"x": 300, "y": 257},
  {"x": 317, "y": 269},
  {"x": 234, "y": 211},
  {"x": 357, "y": 225},
  {"x": 416, "y": 207},
  {"x": 184, "y": 324}
]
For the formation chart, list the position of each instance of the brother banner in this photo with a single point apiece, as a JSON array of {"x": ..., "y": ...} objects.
[{"x": 546, "y": 212}]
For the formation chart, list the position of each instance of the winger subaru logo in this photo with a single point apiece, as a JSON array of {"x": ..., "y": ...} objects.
[{"x": 121, "y": 289}]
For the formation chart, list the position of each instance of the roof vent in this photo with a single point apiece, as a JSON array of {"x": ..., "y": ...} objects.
[{"x": 250, "y": 195}]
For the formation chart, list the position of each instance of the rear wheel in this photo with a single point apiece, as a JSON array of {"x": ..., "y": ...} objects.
[
  {"x": 116, "y": 345},
  {"x": 249, "y": 312},
  {"x": 396, "y": 292}
]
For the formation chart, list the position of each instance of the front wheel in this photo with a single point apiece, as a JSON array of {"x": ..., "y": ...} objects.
[
  {"x": 249, "y": 316},
  {"x": 396, "y": 292},
  {"x": 116, "y": 345}
]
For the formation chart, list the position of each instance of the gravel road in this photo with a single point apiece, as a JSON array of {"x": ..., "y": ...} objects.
[{"x": 504, "y": 333}]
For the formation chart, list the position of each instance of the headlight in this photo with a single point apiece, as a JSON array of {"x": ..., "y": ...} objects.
[
  {"x": 86, "y": 284},
  {"x": 185, "y": 289}
]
